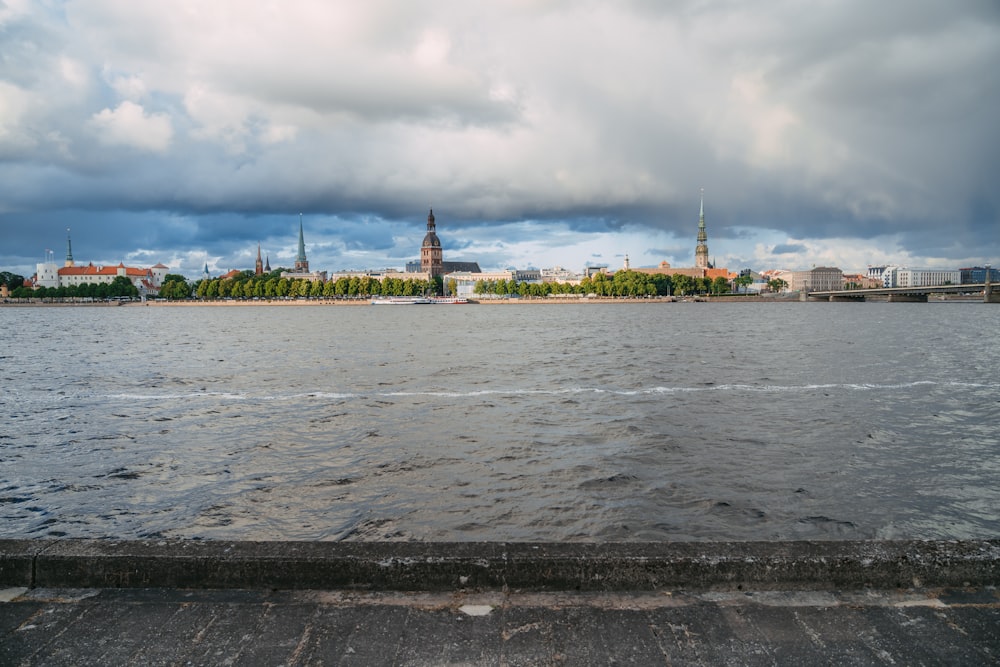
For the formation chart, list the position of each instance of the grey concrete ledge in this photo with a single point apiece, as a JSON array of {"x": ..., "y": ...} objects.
[{"x": 411, "y": 566}]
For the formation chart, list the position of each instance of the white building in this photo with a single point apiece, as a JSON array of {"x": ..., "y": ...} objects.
[
  {"x": 895, "y": 276},
  {"x": 928, "y": 277}
]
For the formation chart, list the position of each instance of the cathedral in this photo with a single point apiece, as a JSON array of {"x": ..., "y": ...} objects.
[{"x": 432, "y": 258}]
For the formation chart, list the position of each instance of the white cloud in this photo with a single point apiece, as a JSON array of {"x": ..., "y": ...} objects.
[
  {"x": 14, "y": 102},
  {"x": 129, "y": 124},
  {"x": 838, "y": 121},
  {"x": 129, "y": 87}
]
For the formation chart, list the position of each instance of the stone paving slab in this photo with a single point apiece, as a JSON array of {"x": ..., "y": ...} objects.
[{"x": 308, "y": 627}]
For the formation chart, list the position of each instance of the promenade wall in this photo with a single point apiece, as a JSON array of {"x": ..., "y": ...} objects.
[{"x": 407, "y": 566}]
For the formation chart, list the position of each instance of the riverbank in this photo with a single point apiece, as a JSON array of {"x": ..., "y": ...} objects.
[{"x": 367, "y": 302}]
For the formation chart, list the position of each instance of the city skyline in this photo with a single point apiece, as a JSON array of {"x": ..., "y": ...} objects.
[{"x": 542, "y": 133}]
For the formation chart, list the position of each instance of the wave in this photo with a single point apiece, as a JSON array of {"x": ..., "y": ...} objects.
[{"x": 478, "y": 393}]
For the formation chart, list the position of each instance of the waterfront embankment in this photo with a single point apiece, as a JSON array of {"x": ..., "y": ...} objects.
[
  {"x": 435, "y": 566},
  {"x": 367, "y": 302},
  {"x": 108, "y": 602}
]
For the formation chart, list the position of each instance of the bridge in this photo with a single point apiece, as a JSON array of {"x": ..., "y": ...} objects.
[{"x": 903, "y": 294}]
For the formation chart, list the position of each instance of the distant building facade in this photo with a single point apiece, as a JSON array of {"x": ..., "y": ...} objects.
[
  {"x": 860, "y": 281},
  {"x": 896, "y": 276},
  {"x": 558, "y": 274},
  {"x": 977, "y": 274},
  {"x": 819, "y": 279},
  {"x": 528, "y": 275}
]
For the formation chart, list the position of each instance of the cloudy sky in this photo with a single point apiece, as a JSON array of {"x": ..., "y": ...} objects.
[{"x": 543, "y": 132}]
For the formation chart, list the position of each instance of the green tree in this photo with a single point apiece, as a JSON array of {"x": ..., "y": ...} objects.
[
  {"x": 175, "y": 288},
  {"x": 122, "y": 286},
  {"x": 743, "y": 280},
  {"x": 11, "y": 280},
  {"x": 776, "y": 284},
  {"x": 683, "y": 285},
  {"x": 282, "y": 288},
  {"x": 720, "y": 285},
  {"x": 366, "y": 286}
]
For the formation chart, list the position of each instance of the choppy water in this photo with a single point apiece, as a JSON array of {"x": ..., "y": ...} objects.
[{"x": 564, "y": 422}]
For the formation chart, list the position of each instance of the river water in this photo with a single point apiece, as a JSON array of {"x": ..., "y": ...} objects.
[{"x": 568, "y": 422}]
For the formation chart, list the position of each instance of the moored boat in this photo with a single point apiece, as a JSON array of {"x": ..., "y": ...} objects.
[{"x": 401, "y": 301}]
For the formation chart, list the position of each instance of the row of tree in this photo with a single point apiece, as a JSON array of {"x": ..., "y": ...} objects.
[
  {"x": 246, "y": 285},
  {"x": 120, "y": 287},
  {"x": 620, "y": 284}
]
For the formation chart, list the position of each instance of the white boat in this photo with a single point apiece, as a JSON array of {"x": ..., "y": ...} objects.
[
  {"x": 401, "y": 301},
  {"x": 450, "y": 300}
]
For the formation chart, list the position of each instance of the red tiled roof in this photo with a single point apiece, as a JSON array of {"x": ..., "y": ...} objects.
[{"x": 91, "y": 270}]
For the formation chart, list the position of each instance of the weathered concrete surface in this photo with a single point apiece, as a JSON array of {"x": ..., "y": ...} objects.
[
  {"x": 17, "y": 559},
  {"x": 235, "y": 627},
  {"x": 498, "y": 566}
]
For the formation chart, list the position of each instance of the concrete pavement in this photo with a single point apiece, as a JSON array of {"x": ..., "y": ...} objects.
[{"x": 118, "y": 603}]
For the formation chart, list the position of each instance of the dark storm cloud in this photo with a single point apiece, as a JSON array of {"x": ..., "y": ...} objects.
[
  {"x": 536, "y": 126},
  {"x": 788, "y": 249}
]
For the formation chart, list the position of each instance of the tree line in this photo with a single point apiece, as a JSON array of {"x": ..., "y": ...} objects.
[
  {"x": 120, "y": 287},
  {"x": 623, "y": 283},
  {"x": 247, "y": 285}
]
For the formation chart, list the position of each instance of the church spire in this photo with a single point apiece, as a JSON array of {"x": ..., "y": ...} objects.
[
  {"x": 69, "y": 249},
  {"x": 259, "y": 266},
  {"x": 701, "y": 250},
  {"x": 431, "y": 261},
  {"x": 301, "y": 263}
]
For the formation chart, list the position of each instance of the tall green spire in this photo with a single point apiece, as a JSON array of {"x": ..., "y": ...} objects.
[
  {"x": 69, "y": 249},
  {"x": 302, "y": 243},
  {"x": 301, "y": 263}
]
